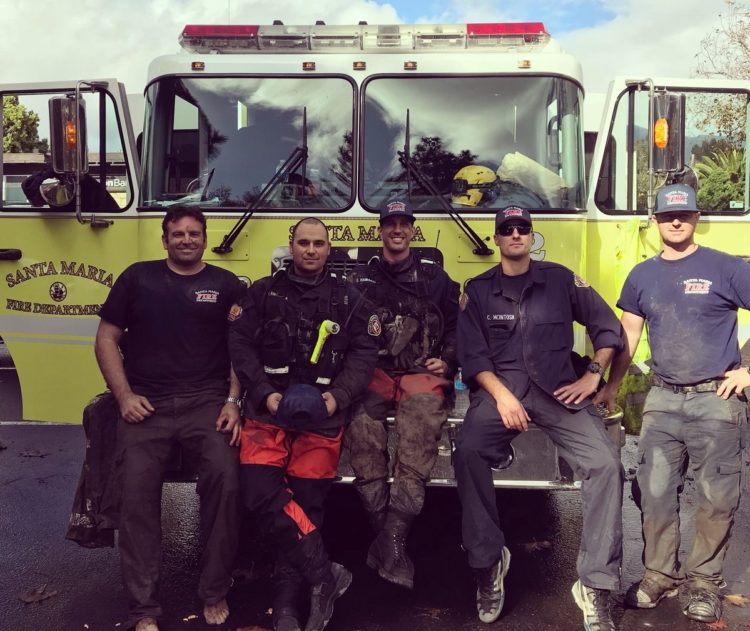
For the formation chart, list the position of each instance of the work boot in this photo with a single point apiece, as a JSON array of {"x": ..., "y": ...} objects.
[
  {"x": 491, "y": 588},
  {"x": 287, "y": 584},
  {"x": 376, "y": 519},
  {"x": 285, "y": 619},
  {"x": 595, "y": 606},
  {"x": 647, "y": 593},
  {"x": 387, "y": 553},
  {"x": 703, "y": 605},
  {"x": 324, "y": 594},
  {"x": 327, "y": 580}
]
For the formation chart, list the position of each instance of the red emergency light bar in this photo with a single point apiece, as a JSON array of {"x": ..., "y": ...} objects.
[
  {"x": 507, "y": 28},
  {"x": 217, "y": 30},
  {"x": 280, "y": 38}
]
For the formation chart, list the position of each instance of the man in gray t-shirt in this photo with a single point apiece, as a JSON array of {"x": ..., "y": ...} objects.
[{"x": 689, "y": 296}]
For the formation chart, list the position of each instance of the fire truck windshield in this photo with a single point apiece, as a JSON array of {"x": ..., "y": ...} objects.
[
  {"x": 217, "y": 141},
  {"x": 484, "y": 142}
]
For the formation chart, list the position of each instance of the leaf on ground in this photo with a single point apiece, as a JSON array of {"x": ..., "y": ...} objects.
[
  {"x": 430, "y": 612},
  {"x": 738, "y": 600},
  {"x": 34, "y": 453},
  {"x": 190, "y": 617},
  {"x": 719, "y": 624},
  {"x": 37, "y": 594},
  {"x": 537, "y": 546}
]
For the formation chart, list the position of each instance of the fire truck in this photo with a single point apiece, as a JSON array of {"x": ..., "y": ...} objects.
[{"x": 260, "y": 125}]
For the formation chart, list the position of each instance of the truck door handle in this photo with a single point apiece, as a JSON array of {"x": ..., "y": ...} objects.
[{"x": 9, "y": 254}]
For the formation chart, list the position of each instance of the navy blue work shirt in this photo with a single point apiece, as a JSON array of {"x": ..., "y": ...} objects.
[{"x": 490, "y": 323}]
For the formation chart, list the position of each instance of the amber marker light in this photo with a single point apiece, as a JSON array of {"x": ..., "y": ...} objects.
[
  {"x": 198, "y": 65},
  {"x": 661, "y": 133},
  {"x": 359, "y": 65},
  {"x": 410, "y": 65},
  {"x": 70, "y": 133},
  {"x": 308, "y": 65}
]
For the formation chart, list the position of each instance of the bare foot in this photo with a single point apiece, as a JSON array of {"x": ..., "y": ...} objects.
[
  {"x": 146, "y": 624},
  {"x": 216, "y": 613}
]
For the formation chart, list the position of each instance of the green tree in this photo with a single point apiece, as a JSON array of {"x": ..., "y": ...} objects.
[
  {"x": 722, "y": 179},
  {"x": 20, "y": 128},
  {"x": 724, "y": 53}
]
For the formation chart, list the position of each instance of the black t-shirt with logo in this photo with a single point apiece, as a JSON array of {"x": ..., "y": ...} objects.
[{"x": 175, "y": 326}]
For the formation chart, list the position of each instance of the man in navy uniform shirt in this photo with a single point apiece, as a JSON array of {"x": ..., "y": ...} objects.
[{"x": 515, "y": 337}]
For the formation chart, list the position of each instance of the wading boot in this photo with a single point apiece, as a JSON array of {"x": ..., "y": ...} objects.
[{"x": 387, "y": 553}]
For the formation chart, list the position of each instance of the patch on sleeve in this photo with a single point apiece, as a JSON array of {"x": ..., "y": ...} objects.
[
  {"x": 463, "y": 301},
  {"x": 579, "y": 281},
  {"x": 373, "y": 326},
  {"x": 235, "y": 313}
]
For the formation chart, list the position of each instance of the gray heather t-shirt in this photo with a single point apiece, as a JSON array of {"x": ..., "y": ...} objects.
[{"x": 690, "y": 306}]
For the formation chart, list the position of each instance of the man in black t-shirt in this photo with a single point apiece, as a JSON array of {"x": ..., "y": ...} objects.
[{"x": 162, "y": 348}]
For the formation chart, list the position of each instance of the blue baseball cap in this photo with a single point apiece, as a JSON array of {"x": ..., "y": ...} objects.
[
  {"x": 302, "y": 407},
  {"x": 396, "y": 208},
  {"x": 676, "y": 198}
]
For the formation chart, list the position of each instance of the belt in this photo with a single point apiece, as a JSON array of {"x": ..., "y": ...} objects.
[{"x": 710, "y": 385}]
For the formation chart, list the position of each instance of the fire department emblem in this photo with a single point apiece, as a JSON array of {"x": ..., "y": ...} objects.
[
  {"x": 676, "y": 198},
  {"x": 234, "y": 313},
  {"x": 580, "y": 282},
  {"x": 373, "y": 326},
  {"x": 58, "y": 291}
]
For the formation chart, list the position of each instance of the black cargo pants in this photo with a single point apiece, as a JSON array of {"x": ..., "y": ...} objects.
[{"x": 143, "y": 452}]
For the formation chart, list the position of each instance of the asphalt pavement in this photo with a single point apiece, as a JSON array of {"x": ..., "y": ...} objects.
[{"x": 79, "y": 589}]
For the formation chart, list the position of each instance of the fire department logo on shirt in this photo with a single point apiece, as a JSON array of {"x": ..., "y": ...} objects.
[
  {"x": 580, "y": 282},
  {"x": 234, "y": 313},
  {"x": 373, "y": 326},
  {"x": 206, "y": 295},
  {"x": 697, "y": 286}
]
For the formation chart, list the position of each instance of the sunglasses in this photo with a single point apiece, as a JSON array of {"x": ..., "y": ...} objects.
[{"x": 507, "y": 229}]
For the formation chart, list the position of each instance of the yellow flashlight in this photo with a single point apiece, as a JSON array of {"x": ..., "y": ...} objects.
[{"x": 327, "y": 328}]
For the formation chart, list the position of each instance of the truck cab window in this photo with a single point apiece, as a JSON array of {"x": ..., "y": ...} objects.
[
  {"x": 28, "y": 182},
  {"x": 514, "y": 140},
  {"x": 216, "y": 142},
  {"x": 715, "y": 157}
]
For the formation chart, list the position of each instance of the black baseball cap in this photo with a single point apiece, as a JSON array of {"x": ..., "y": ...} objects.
[
  {"x": 395, "y": 208},
  {"x": 512, "y": 213},
  {"x": 302, "y": 407}
]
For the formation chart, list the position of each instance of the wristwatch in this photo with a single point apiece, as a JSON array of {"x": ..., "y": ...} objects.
[
  {"x": 236, "y": 400},
  {"x": 596, "y": 368}
]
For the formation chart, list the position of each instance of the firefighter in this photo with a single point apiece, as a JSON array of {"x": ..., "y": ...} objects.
[
  {"x": 695, "y": 411},
  {"x": 172, "y": 386},
  {"x": 417, "y": 305},
  {"x": 304, "y": 349},
  {"x": 515, "y": 336}
]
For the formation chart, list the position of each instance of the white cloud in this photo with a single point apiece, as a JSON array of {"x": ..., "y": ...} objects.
[
  {"x": 48, "y": 40},
  {"x": 647, "y": 38}
]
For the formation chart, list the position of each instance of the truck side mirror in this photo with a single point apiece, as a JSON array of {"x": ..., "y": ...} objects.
[
  {"x": 68, "y": 135},
  {"x": 668, "y": 132}
]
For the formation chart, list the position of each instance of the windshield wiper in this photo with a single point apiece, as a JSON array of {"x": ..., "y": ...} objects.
[
  {"x": 296, "y": 158},
  {"x": 404, "y": 157}
]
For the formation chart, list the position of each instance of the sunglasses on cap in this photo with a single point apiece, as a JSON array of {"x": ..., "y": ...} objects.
[{"x": 507, "y": 229}]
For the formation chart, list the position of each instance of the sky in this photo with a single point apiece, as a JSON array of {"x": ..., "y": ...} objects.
[{"x": 47, "y": 40}]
